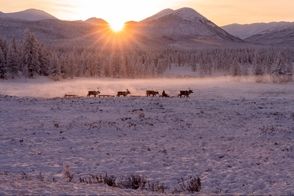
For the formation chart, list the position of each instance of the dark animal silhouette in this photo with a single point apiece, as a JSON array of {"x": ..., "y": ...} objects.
[
  {"x": 164, "y": 94},
  {"x": 185, "y": 93},
  {"x": 123, "y": 93},
  {"x": 151, "y": 93},
  {"x": 93, "y": 93}
]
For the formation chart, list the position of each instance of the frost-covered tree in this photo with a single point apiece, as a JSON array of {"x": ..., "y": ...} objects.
[
  {"x": 54, "y": 68},
  {"x": 31, "y": 56},
  {"x": 44, "y": 61},
  {"x": 78, "y": 60},
  {"x": 3, "y": 59},
  {"x": 13, "y": 59}
]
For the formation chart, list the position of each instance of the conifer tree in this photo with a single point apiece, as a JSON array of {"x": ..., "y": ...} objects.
[
  {"x": 31, "y": 61},
  {"x": 13, "y": 59},
  {"x": 3, "y": 59}
]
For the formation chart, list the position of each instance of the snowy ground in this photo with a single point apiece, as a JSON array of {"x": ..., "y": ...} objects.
[{"x": 236, "y": 136}]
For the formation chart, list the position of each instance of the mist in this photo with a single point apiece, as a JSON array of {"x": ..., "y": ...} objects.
[{"x": 45, "y": 88}]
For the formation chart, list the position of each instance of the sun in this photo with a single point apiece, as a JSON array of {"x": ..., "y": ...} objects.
[{"x": 117, "y": 26}]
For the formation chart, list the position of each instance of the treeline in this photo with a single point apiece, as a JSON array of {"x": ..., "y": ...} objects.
[{"x": 29, "y": 58}]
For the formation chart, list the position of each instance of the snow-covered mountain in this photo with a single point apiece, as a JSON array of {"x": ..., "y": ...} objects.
[
  {"x": 96, "y": 21},
  {"x": 159, "y": 15},
  {"x": 47, "y": 31},
  {"x": 280, "y": 37},
  {"x": 244, "y": 31},
  {"x": 28, "y": 15},
  {"x": 184, "y": 23},
  {"x": 184, "y": 28}
]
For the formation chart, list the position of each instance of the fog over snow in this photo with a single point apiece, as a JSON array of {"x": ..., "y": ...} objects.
[{"x": 45, "y": 88}]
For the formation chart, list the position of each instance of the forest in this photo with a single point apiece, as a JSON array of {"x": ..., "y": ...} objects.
[{"x": 30, "y": 58}]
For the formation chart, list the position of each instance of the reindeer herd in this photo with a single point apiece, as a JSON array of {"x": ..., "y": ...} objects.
[{"x": 149, "y": 93}]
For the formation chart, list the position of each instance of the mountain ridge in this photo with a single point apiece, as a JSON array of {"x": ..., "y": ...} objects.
[
  {"x": 244, "y": 31},
  {"x": 182, "y": 28},
  {"x": 280, "y": 37},
  {"x": 28, "y": 15},
  {"x": 158, "y": 15}
]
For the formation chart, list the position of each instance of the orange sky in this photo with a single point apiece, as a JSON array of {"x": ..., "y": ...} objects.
[{"x": 219, "y": 11}]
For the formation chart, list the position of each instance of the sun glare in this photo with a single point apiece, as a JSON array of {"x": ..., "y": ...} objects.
[{"x": 117, "y": 26}]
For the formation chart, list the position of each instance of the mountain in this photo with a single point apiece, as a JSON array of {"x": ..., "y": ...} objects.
[
  {"x": 97, "y": 21},
  {"x": 280, "y": 37},
  {"x": 46, "y": 30},
  {"x": 185, "y": 24},
  {"x": 244, "y": 31},
  {"x": 182, "y": 28},
  {"x": 28, "y": 15},
  {"x": 159, "y": 15}
]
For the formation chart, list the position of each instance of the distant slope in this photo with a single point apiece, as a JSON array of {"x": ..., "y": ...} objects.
[
  {"x": 28, "y": 15},
  {"x": 281, "y": 38},
  {"x": 244, "y": 31},
  {"x": 45, "y": 30}
]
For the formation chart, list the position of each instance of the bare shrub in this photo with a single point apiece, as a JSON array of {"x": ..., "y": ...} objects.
[
  {"x": 68, "y": 175},
  {"x": 98, "y": 179},
  {"x": 132, "y": 182},
  {"x": 138, "y": 182},
  {"x": 109, "y": 180},
  {"x": 91, "y": 179},
  {"x": 191, "y": 185},
  {"x": 41, "y": 177},
  {"x": 156, "y": 187}
]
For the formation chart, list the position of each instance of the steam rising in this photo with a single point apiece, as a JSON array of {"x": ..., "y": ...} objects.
[{"x": 45, "y": 88}]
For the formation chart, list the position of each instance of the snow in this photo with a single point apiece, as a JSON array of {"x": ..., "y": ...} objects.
[
  {"x": 188, "y": 14},
  {"x": 184, "y": 13},
  {"x": 183, "y": 23},
  {"x": 279, "y": 37},
  {"x": 244, "y": 31},
  {"x": 160, "y": 14},
  {"x": 236, "y": 135},
  {"x": 29, "y": 15}
]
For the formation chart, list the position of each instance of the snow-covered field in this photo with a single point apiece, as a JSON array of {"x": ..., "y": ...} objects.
[{"x": 237, "y": 136}]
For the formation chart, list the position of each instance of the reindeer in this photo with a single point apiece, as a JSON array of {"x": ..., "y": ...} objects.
[
  {"x": 164, "y": 94},
  {"x": 185, "y": 93},
  {"x": 93, "y": 93},
  {"x": 123, "y": 93},
  {"x": 151, "y": 93}
]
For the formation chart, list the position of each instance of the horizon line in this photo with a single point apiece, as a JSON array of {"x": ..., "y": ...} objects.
[{"x": 84, "y": 20}]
